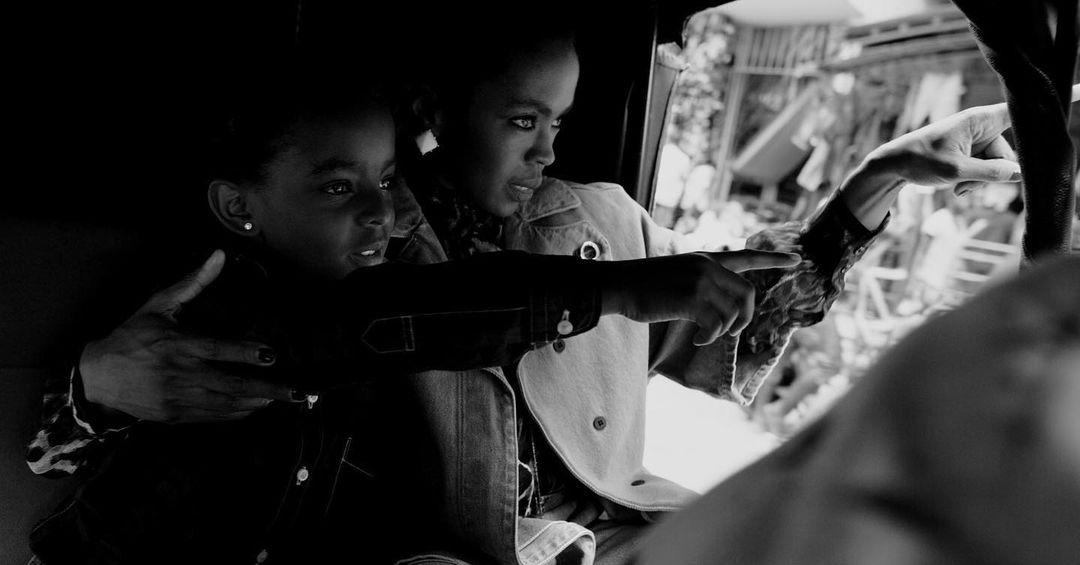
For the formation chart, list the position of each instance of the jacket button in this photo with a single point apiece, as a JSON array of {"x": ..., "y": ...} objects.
[
  {"x": 302, "y": 475},
  {"x": 564, "y": 327},
  {"x": 262, "y": 556},
  {"x": 589, "y": 251},
  {"x": 558, "y": 345},
  {"x": 599, "y": 423},
  {"x": 637, "y": 483}
]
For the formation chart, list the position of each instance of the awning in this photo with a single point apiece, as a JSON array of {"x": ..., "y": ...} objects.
[
  {"x": 768, "y": 13},
  {"x": 772, "y": 155}
]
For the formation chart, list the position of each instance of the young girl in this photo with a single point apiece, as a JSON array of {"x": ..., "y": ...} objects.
[
  {"x": 575, "y": 461},
  {"x": 302, "y": 184}
]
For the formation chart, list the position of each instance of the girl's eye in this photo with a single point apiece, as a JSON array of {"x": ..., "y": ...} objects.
[
  {"x": 388, "y": 183},
  {"x": 337, "y": 188},
  {"x": 557, "y": 123},
  {"x": 524, "y": 123}
]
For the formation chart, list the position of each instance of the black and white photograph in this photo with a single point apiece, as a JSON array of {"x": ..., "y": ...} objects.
[{"x": 610, "y": 282}]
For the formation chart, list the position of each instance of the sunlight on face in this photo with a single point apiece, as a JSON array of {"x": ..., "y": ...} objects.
[{"x": 498, "y": 149}]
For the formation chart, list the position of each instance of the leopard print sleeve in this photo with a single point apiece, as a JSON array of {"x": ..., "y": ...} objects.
[
  {"x": 65, "y": 443},
  {"x": 789, "y": 299}
]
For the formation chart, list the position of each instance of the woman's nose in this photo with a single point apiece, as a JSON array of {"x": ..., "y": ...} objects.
[{"x": 542, "y": 151}]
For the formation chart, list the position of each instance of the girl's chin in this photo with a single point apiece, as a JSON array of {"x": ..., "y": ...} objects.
[{"x": 357, "y": 261}]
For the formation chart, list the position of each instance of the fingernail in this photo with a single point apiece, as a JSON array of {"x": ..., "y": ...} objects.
[
  {"x": 266, "y": 355},
  {"x": 1015, "y": 177}
]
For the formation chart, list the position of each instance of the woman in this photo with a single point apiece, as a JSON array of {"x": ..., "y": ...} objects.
[
  {"x": 301, "y": 183},
  {"x": 575, "y": 446}
]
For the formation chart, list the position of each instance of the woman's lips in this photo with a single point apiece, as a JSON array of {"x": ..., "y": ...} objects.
[{"x": 522, "y": 191}]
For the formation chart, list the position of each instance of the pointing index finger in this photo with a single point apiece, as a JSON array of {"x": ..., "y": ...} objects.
[{"x": 750, "y": 259}]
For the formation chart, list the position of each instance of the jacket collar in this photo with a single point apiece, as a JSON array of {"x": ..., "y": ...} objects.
[{"x": 552, "y": 197}]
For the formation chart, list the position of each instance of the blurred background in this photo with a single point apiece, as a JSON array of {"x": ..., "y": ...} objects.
[{"x": 775, "y": 103}]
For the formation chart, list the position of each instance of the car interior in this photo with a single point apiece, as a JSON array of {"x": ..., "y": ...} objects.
[
  {"x": 116, "y": 99},
  {"x": 120, "y": 93}
]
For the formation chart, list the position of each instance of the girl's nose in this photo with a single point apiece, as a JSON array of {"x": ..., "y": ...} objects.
[{"x": 375, "y": 210}]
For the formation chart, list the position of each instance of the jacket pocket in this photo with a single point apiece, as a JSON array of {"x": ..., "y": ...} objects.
[{"x": 352, "y": 495}]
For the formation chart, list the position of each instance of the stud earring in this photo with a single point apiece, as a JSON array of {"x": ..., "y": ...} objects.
[
  {"x": 426, "y": 142},
  {"x": 248, "y": 226}
]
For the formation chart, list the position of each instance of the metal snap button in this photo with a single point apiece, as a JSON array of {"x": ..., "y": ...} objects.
[
  {"x": 302, "y": 475},
  {"x": 564, "y": 327},
  {"x": 558, "y": 345},
  {"x": 599, "y": 423},
  {"x": 589, "y": 251},
  {"x": 262, "y": 556}
]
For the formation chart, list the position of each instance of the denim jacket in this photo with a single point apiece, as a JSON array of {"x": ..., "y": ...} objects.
[
  {"x": 589, "y": 398},
  {"x": 295, "y": 481}
]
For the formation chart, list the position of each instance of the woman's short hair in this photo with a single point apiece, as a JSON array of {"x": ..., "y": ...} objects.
[{"x": 460, "y": 56}]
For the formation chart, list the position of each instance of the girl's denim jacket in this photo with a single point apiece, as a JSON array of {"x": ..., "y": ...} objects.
[
  {"x": 589, "y": 396},
  {"x": 295, "y": 480}
]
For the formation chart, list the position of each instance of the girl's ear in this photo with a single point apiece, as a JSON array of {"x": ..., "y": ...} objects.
[{"x": 229, "y": 204}]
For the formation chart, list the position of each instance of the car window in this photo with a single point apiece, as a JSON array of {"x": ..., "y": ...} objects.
[{"x": 769, "y": 115}]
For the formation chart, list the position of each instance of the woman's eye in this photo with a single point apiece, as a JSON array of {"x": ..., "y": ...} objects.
[
  {"x": 524, "y": 123},
  {"x": 337, "y": 188},
  {"x": 557, "y": 123}
]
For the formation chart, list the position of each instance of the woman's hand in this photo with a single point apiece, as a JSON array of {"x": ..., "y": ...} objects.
[
  {"x": 149, "y": 369},
  {"x": 702, "y": 287},
  {"x": 963, "y": 151}
]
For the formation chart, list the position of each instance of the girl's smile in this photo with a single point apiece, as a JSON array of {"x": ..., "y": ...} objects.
[
  {"x": 325, "y": 205},
  {"x": 373, "y": 255}
]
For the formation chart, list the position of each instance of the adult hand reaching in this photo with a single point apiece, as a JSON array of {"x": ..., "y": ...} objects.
[
  {"x": 702, "y": 287},
  {"x": 964, "y": 151},
  {"x": 150, "y": 369}
]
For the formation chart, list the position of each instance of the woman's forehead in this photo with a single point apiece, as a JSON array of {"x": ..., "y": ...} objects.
[
  {"x": 544, "y": 79},
  {"x": 550, "y": 53}
]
